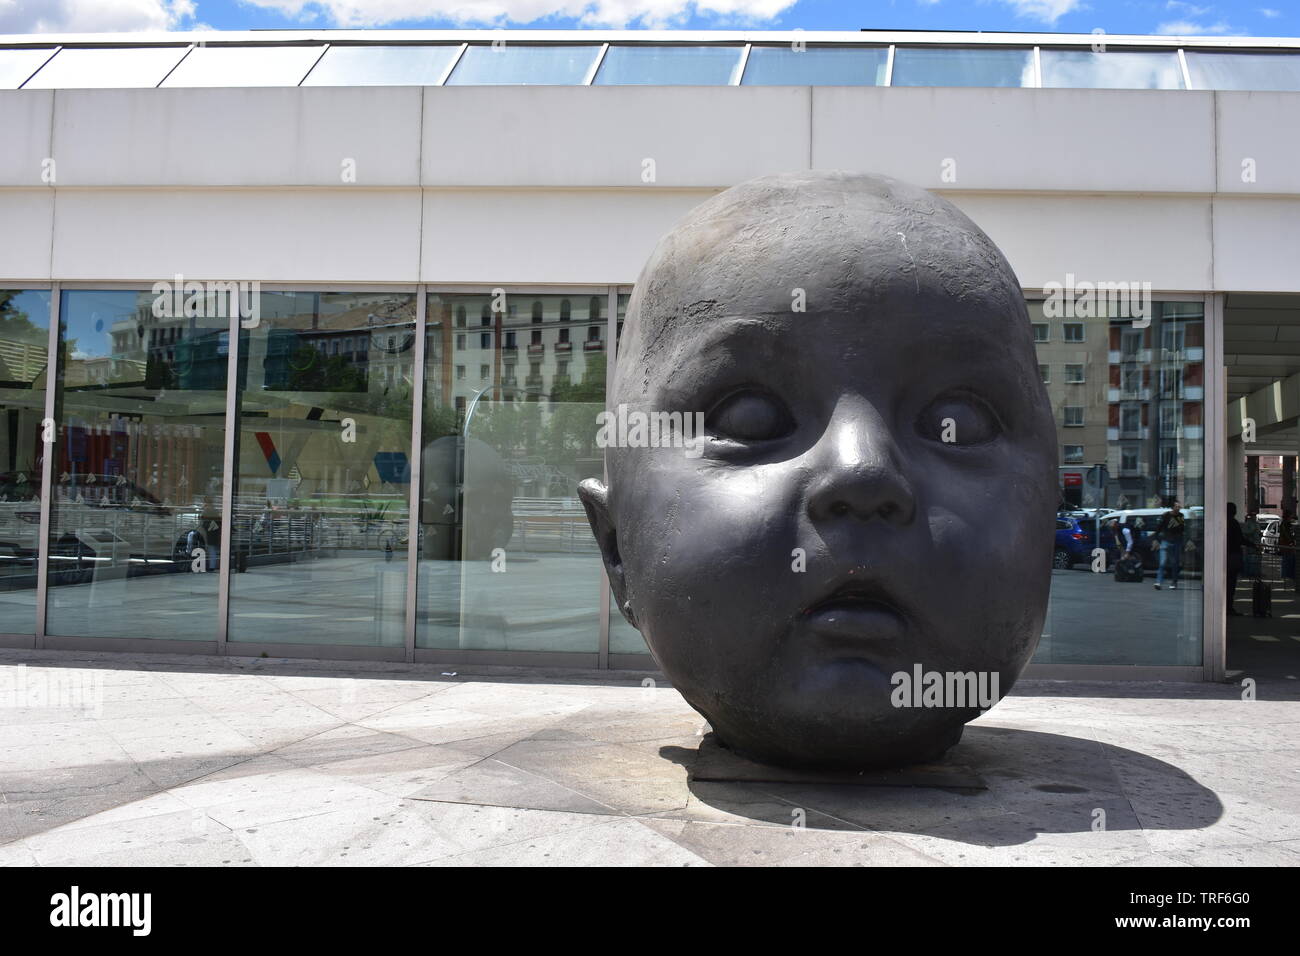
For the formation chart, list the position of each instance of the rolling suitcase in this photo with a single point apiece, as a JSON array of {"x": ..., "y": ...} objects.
[
  {"x": 1128, "y": 569},
  {"x": 1261, "y": 599}
]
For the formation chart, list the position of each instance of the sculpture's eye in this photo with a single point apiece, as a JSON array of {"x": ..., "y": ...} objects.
[
  {"x": 749, "y": 415},
  {"x": 959, "y": 418}
]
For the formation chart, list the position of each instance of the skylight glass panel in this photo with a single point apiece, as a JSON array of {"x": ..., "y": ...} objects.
[
  {"x": 1112, "y": 70},
  {"x": 949, "y": 66},
  {"x": 382, "y": 66},
  {"x": 668, "y": 66},
  {"x": 83, "y": 68},
  {"x": 17, "y": 65},
  {"x": 1244, "y": 71},
  {"x": 815, "y": 66},
  {"x": 521, "y": 64},
  {"x": 245, "y": 66}
]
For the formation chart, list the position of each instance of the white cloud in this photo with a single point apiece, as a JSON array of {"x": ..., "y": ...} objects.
[
  {"x": 1188, "y": 28},
  {"x": 1270, "y": 13},
  {"x": 1045, "y": 11},
  {"x": 94, "y": 16},
  {"x": 608, "y": 13},
  {"x": 1186, "y": 9}
]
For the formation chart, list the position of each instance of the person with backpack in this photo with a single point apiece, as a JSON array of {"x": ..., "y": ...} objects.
[
  {"x": 1169, "y": 534},
  {"x": 1236, "y": 557}
]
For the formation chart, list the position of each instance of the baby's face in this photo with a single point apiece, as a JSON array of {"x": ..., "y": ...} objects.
[{"x": 875, "y": 492}]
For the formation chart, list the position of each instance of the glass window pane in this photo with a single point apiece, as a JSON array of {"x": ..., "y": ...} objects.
[
  {"x": 668, "y": 65},
  {"x": 519, "y": 64},
  {"x": 1129, "y": 414},
  {"x": 815, "y": 66},
  {"x": 123, "y": 68},
  {"x": 135, "y": 519},
  {"x": 321, "y": 492},
  {"x": 245, "y": 66},
  {"x": 17, "y": 65},
  {"x": 1244, "y": 71},
  {"x": 1112, "y": 70},
  {"x": 381, "y": 66},
  {"x": 24, "y": 345},
  {"x": 939, "y": 66},
  {"x": 508, "y": 561}
]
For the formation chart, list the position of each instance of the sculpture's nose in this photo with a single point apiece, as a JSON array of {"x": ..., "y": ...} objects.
[{"x": 859, "y": 470}]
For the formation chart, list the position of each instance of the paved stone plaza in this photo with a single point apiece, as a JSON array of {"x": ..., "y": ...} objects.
[{"x": 261, "y": 762}]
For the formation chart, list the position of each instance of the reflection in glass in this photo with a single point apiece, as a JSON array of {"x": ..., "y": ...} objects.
[
  {"x": 381, "y": 66},
  {"x": 98, "y": 68},
  {"x": 1129, "y": 404},
  {"x": 815, "y": 66},
  {"x": 519, "y": 64},
  {"x": 940, "y": 66},
  {"x": 24, "y": 345},
  {"x": 1112, "y": 70},
  {"x": 136, "y": 501},
  {"x": 1244, "y": 71},
  {"x": 507, "y": 559},
  {"x": 244, "y": 66},
  {"x": 319, "y": 530},
  {"x": 668, "y": 66},
  {"x": 16, "y": 65}
]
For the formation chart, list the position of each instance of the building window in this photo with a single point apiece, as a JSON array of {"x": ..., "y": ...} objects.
[
  {"x": 1041, "y": 332},
  {"x": 1073, "y": 454},
  {"x": 1131, "y": 380},
  {"x": 1130, "y": 422},
  {"x": 1169, "y": 420},
  {"x": 460, "y": 403},
  {"x": 1130, "y": 343},
  {"x": 510, "y": 340},
  {"x": 460, "y": 342},
  {"x": 485, "y": 340},
  {"x": 1128, "y": 459},
  {"x": 1171, "y": 383},
  {"x": 564, "y": 335},
  {"x": 537, "y": 337},
  {"x": 460, "y": 373},
  {"x": 1074, "y": 415},
  {"x": 1073, "y": 331},
  {"x": 1168, "y": 459},
  {"x": 460, "y": 316},
  {"x": 566, "y": 310},
  {"x": 593, "y": 333},
  {"x": 483, "y": 371},
  {"x": 1074, "y": 374},
  {"x": 1045, "y": 373},
  {"x": 537, "y": 312},
  {"x": 593, "y": 308},
  {"x": 1173, "y": 338}
]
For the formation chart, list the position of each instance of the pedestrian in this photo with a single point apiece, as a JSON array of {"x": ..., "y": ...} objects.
[
  {"x": 1169, "y": 534},
  {"x": 1236, "y": 547},
  {"x": 1253, "y": 534}
]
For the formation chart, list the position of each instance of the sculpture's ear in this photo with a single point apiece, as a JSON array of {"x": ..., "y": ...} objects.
[{"x": 595, "y": 500}]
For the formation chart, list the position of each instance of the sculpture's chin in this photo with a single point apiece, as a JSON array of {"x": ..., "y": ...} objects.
[{"x": 871, "y": 749}]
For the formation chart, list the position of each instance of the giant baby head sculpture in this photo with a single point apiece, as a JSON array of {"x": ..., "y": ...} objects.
[{"x": 870, "y": 504}]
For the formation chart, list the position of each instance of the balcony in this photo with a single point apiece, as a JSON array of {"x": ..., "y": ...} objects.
[
  {"x": 536, "y": 348},
  {"x": 593, "y": 345},
  {"x": 564, "y": 347}
]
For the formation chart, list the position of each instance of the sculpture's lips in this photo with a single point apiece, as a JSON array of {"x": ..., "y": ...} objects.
[{"x": 856, "y": 610}]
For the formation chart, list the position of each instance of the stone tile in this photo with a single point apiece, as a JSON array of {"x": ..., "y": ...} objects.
[
  {"x": 730, "y": 845},
  {"x": 621, "y": 842},
  {"x": 490, "y": 782},
  {"x": 161, "y": 840},
  {"x": 379, "y": 835}
]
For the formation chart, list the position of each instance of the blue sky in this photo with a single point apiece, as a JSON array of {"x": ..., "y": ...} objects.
[{"x": 1266, "y": 18}]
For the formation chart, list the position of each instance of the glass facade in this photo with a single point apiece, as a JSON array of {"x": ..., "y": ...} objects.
[
  {"x": 513, "y": 386},
  {"x": 320, "y": 519},
  {"x": 937, "y": 66},
  {"x": 668, "y": 66},
  {"x": 520, "y": 64},
  {"x": 1129, "y": 399},
  {"x": 815, "y": 66},
  {"x": 1112, "y": 70},
  {"x": 382, "y": 66},
  {"x": 24, "y": 347},
  {"x": 137, "y": 467},
  {"x": 318, "y": 515}
]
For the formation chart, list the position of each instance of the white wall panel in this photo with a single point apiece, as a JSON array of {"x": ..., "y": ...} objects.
[
  {"x": 238, "y": 137},
  {"x": 499, "y": 236},
  {"x": 335, "y": 235},
  {"x": 601, "y": 136},
  {"x": 26, "y": 221},
  {"x": 25, "y": 119},
  {"x": 1264, "y": 129},
  {"x": 1013, "y": 139},
  {"x": 1161, "y": 240},
  {"x": 1257, "y": 244}
]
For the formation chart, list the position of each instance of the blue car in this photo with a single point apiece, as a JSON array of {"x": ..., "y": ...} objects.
[{"x": 1074, "y": 543}]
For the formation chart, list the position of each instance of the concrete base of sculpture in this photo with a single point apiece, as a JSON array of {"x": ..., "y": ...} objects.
[{"x": 717, "y": 764}]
